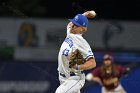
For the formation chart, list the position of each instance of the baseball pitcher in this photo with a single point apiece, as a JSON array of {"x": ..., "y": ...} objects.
[{"x": 75, "y": 55}]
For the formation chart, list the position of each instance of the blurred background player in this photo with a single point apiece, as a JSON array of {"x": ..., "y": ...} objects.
[
  {"x": 108, "y": 75},
  {"x": 73, "y": 79}
]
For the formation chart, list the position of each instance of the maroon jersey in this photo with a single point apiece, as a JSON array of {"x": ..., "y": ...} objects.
[{"x": 109, "y": 80}]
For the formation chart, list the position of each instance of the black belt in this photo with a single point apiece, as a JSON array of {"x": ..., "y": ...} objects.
[{"x": 71, "y": 74}]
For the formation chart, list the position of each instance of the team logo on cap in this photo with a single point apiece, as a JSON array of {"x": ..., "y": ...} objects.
[
  {"x": 84, "y": 24},
  {"x": 76, "y": 18}
]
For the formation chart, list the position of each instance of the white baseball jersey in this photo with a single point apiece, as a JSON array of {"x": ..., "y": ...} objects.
[{"x": 72, "y": 42}]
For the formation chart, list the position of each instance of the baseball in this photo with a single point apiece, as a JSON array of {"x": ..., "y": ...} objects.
[
  {"x": 89, "y": 77},
  {"x": 92, "y": 13}
]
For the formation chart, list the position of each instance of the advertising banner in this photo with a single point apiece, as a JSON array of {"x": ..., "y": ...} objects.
[
  {"x": 35, "y": 39},
  {"x": 28, "y": 77}
]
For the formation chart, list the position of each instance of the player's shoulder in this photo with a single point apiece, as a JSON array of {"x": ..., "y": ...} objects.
[
  {"x": 69, "y": 42},
  {"x": 97, "y": 69},
  {"x": 119, "y": 67}
]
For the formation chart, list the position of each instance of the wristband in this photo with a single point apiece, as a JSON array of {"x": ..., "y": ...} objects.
[{"x": 77, "y": 67}]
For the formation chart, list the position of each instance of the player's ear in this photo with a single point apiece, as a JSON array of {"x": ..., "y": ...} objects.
[{"x": 83, "y": 29}]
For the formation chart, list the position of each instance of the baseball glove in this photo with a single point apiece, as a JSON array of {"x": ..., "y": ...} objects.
[{"x": 76, "y": 58}]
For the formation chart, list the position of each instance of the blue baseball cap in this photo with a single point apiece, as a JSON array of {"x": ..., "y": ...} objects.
[{"x": 80, "y": 20}]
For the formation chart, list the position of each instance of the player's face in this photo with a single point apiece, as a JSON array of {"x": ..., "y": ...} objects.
[
  {"x": 78, "y": 29},
  {"x": 107, "y": 62}
]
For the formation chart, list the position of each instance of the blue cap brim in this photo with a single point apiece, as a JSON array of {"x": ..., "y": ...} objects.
[{"x": 74, "y": 22}]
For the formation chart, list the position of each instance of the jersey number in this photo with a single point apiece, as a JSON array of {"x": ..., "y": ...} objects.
[{"x": 65, "y": 52}]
